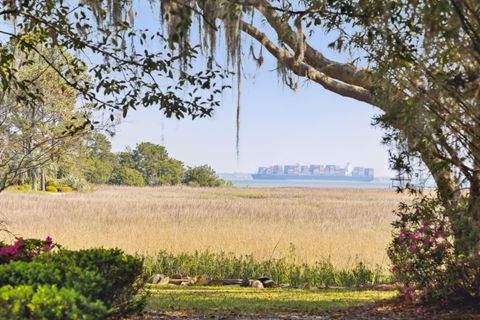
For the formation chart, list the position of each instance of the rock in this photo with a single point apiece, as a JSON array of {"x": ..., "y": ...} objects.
[
  {"x": 263, "y": 279},
  {"x": 186, "y": 283},
  {"x": 269, "y": 284},
  {"x": 155, "y": 278},
  {"x": 257, "y": 284},
  {"x": 164, "y": 280},
  {"x": 176, "y": 276}
]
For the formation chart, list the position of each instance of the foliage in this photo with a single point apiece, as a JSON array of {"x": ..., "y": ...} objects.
[
  {"x": 23, "y": 187},
  {"x": 228, "y": 301},
  {"x": 423, "y": 255},
  {"x": 47, "y": 302},
  {"x": 202, "y": 176},
  {"x": 24, "y": 249},
  {"x": 108, "y": 276},
  {"x": 51, "y": 189},
  {"x": 35, "y": 134},
  {"x": 120, "y": 277},
  {"x": 126, "y": 176},
  {"x": 100, "y": 159},
  {"x": 155, "y": 165},
  {"x": 64, "y": 189},
  {"x": 221, "y": 265},
  {"x": 75, "y": 182}
]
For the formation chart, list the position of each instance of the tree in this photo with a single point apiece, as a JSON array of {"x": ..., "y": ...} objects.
[
  {"x": 155, "y": 165},
  {"x": 124, "y": 76},
  {"x": 127, "y": 176},
  {"x": 421, "y": 62},
  {"x": 100, "y": 160},
  {"x": 202, "y": 176},
  {"x": 36, "y": 132}
]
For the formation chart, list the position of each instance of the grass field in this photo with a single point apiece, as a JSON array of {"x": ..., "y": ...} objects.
[
  {"x": 305, "y": 224},
  {"x": 206, "y": 301}
]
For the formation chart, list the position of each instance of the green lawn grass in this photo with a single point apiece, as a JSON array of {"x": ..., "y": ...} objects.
[{"x": 246, "y": 301}]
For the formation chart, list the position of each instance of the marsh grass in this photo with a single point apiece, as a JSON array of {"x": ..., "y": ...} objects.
[
  {"x": 282, "y": 271},
  {"x": 342, "y": 226}
]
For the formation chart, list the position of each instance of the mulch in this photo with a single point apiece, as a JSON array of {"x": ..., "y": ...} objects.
[{"x": 395, "y": 309}]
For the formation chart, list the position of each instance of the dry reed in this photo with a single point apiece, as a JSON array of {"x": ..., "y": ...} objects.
[{"x": 344, "y": 225}]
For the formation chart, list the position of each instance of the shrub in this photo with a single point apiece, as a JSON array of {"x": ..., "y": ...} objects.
[
  {"x": 64, "y": 189},
  {"x": 47, "y": 302},
  {"x": 24, "y": 250},
  {"x": 127, "y": 176},
  {"x": 23, "y": 187},
  {"x": 51, "y": 189},
  {"x": 50, "y": 183},
  {"x": 123, "y": 276},
  {"x": 423, "y": 254},
  {"x": 202, "y": 176},
  {"x": 88, "y": 283},
  {"x": 76, "y": 183}
]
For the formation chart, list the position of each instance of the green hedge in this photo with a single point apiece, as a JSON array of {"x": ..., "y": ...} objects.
[
  {"x": 47, "y": 302},
  {"x": 123, "y": 274},
  {"x": 106, "y": 275}
]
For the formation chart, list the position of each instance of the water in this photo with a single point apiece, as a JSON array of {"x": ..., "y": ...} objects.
[{"x": 250, "y": 183}]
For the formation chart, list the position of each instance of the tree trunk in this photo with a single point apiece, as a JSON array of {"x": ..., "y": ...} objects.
[
  {"x": 42, "y": 179},
  {"x": 33, "y": 175},
  {"x": 21, "y": 178}
]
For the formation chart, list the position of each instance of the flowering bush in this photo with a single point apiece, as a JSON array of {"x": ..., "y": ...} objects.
[
  {"x": 24, "y": 250},
  {"x": 423, "y": 253}
]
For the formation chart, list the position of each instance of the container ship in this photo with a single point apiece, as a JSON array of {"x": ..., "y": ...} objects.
[{"x": 314, "y": 172}]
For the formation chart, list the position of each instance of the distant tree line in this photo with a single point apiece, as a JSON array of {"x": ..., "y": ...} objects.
[{"x": 148, "y": 164}]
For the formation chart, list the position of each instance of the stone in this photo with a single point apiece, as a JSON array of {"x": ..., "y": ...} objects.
[
  {"x": 269, "y": 283},
  {"x": 257, "y": 284},
  {"x": 176, "y": 276},
  {"x": 155, "y": 279},
  {"x": 164, "y": 280}
]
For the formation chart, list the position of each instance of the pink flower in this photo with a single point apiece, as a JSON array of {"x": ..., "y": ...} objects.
[
  {"x": 49, "y": 240},
  {"x": 423, "y": 229},
  {"x": 47, "y": 247},
  {"x": 415, "y": 235},
  {"x": 438, "y": 232},
  {"x": 401, "y": 237},
  {"x": 412, "y": 248},
  {"x": 417, "y": 211},
  {"x": 18, "y": 243},
  {"x": 32, "y": 253},
  {"x": 418, "y": 311},
  {"x": 10, "y": 250}
]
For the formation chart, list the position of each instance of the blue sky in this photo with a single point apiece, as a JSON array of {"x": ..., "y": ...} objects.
[{"x": 278, "y": 126}]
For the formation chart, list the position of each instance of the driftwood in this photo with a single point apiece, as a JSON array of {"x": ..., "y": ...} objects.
[{"x": 225, "y": 282}]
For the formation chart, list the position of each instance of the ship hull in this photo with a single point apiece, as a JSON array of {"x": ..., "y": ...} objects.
[{"x": 305, "y": 177}]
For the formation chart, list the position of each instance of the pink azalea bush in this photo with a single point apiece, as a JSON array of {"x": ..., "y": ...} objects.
[
  {"x": 423, "y": 255},
  {"x": 24, "y": 249}
]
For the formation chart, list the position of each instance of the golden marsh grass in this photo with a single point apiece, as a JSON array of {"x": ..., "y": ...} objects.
[{"x": 342, "y": 224}]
